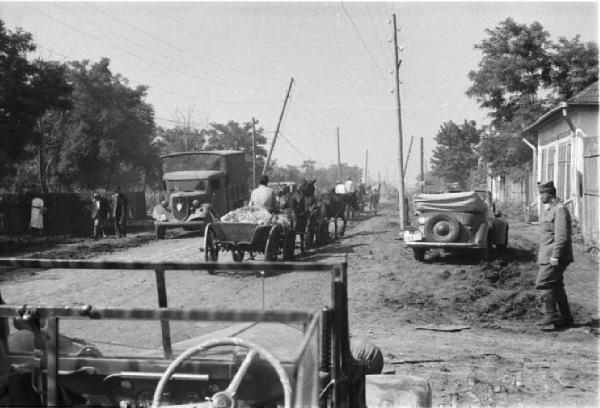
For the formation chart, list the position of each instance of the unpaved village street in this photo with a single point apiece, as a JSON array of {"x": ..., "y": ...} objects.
[{"x": 465, "y": 325}]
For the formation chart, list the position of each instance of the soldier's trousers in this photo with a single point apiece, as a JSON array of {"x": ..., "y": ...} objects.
[{"x": 550, "y": 277}]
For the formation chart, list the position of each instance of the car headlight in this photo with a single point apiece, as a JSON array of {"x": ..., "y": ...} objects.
[{"x": 422, "y": 220}]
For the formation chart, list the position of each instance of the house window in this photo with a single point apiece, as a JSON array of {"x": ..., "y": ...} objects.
[
  {"x": 542, "y": 176},
  {"x": 550, "y": 165},
  {"x": 563, "y": 186}
]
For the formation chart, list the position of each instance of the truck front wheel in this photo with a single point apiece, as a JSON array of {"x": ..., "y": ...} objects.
[{"x": 160, "y": 232}]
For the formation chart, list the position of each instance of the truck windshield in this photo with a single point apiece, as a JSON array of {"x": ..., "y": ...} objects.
[
  {"x": 201, "y": 161},
  {"x": 186, "y": 185}
]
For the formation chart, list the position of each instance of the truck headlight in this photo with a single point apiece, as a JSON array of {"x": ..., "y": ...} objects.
[{"x": 422, "y": 220}]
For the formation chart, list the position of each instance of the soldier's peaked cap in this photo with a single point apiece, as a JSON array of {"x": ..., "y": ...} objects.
[{"x": 547, "y": 187}]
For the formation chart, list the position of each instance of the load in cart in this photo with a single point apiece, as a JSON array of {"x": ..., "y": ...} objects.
[{"x": 250, "y": 230}]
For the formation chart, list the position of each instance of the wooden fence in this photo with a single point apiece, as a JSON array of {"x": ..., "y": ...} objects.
[{"x": 66, "y": 212}]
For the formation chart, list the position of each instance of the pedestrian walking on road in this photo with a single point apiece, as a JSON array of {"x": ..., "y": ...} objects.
[
  {"x": 555, "y": 254},
  {"x": 99, "y": 215},
  {"x": 120, "y": 209}
]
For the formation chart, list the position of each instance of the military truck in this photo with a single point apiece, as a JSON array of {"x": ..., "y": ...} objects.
[{"x": 216, "y": 181}]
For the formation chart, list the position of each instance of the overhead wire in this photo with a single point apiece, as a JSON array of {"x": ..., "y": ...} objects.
[
  {"x": 186, "y": 52},
  {"x": 378, "y": 28},
  {"x": 194, "y": 97},
  {"x": 167, "y": 68},
  {"x": 363, "y": 42}
]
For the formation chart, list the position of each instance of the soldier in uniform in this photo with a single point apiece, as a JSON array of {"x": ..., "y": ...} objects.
[{"x": 555, "y": 254}]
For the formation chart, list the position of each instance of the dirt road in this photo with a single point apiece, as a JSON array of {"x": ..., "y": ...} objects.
[{"x": 464, "y": 325}]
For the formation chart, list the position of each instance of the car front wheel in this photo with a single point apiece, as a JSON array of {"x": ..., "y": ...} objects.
[{"x": 419, "y": 254}]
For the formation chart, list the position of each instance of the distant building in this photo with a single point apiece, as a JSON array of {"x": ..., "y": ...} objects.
[{"x": 568, "y": 153}]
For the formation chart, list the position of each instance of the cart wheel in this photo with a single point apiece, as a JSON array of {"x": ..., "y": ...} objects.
[
  {"x": 238, "y": 255},
  {"x": 289, "y": 244},
  {"x": 211, "y": 249},
  {"x": 272, "y": 246}
]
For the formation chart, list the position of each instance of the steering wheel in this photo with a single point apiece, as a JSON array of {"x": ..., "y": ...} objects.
[{"x": 226, "y": 398}]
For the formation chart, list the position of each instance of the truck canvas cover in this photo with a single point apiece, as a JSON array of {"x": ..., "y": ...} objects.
[{"x": 468, "y": 201}]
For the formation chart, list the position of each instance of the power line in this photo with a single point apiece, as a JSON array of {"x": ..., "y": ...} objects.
[
  {"x": 378, "y": 27},
  {"x": 167, "y": 68},
  {"x": 363, "y": 42},
  {"x": 186, "y": 52},
  {"x": 195, "y": 97}
]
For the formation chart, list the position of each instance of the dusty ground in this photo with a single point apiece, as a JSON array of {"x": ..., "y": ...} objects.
[{"x": 464, "y": 325}]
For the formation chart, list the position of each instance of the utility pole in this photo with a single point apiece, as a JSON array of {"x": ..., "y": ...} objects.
[
  {"x": 338, "y": 150},
  {"x": 287, "y": 96},
  {"x": 397, "y": 62},
  {"x": 366, "y": 167},
  {"x": 253, "y": 154},
  {"x": 422, "y": 181},
  {"x": 408, "y": 154}
]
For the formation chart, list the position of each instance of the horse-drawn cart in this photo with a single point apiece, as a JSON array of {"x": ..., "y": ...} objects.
[{"x": 272, "y": 239}]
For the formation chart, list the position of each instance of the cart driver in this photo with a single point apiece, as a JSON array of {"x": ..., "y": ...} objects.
[{"x": 263, "y": 196}]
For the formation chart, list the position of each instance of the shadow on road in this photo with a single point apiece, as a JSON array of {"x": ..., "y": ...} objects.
[{"x": 365, "y": 233}]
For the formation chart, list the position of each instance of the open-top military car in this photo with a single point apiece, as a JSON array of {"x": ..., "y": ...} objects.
[
  {"x": 456, "y": 221},
  {"x": 235, "y": 356}
]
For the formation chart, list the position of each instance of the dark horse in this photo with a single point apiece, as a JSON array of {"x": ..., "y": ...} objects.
[
  {"x": 306, "y": 213},
  {"x": 332, "y": 208}
]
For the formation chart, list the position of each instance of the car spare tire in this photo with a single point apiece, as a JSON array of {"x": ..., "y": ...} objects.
[{"x": 442, "y": 228}]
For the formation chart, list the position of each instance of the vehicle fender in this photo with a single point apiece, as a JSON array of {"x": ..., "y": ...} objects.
[
  {"x": 397, "y": 391},
  {"x": 499, "y": 230},
  {"x": 209, "y": 210},
  {"x": 482, "y": 234}
]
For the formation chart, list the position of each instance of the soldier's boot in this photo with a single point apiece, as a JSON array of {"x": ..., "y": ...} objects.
[
  {"x": 566, "y": 318},
  {"x": 551, "y": 315}
]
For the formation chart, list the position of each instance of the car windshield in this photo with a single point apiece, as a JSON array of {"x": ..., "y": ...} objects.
[{"x": 174, "y": 186}]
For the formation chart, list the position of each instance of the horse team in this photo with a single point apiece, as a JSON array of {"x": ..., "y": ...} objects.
[{"x": 313, "y": 213}]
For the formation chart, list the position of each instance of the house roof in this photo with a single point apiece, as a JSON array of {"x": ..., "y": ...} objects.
[{"x": 587, "y": 97}]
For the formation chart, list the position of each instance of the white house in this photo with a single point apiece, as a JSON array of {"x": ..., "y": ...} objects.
[{"x": 567, "y": 153}]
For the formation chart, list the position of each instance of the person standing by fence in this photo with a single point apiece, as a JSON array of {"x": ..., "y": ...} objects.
[
  {"x": 36, "y": 223},
  {"x": 99, "y": 215},
  {"x": 119, "y": 213}
]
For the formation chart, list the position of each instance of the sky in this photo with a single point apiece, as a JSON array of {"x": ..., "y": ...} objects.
[{"x": 221, "y": 61}]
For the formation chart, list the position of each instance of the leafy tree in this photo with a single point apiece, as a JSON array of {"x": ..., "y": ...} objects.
[
  {"x": 521, "y": 75},
  {"x": 27, "y": 91},
  {"x": 179, "y": 139},
  {"x": 453, "y": 157},
  {"x": 233, "y": 136},
  {"x": 515, "y": 65},
  {"x": 108, "y": 134},
  {"x": 574, "y": 66},
  {"x": 308, "y": 166}
]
